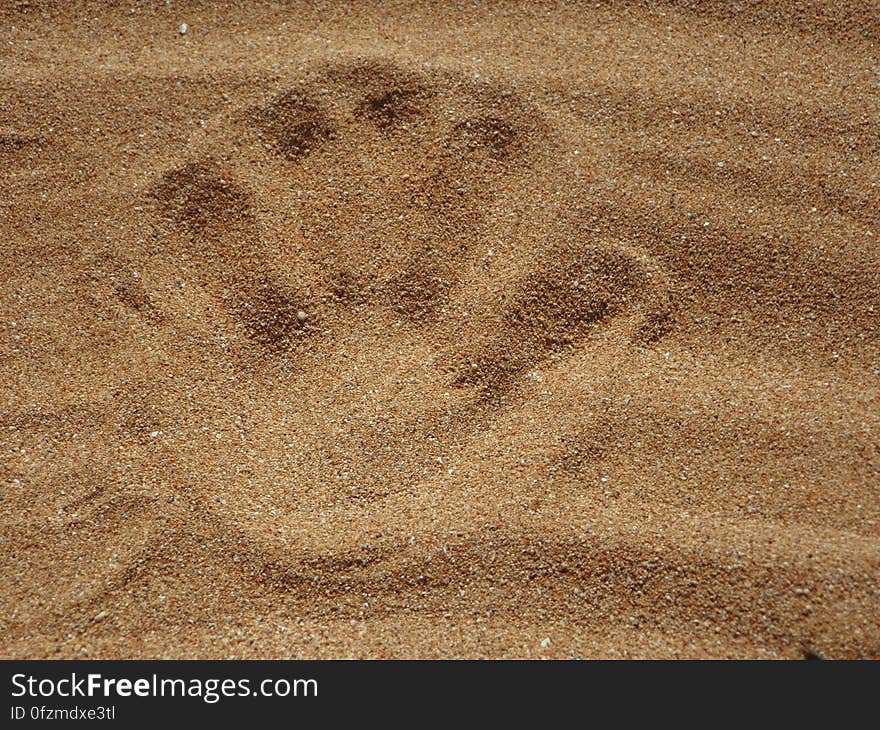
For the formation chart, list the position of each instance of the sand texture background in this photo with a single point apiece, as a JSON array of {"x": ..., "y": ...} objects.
[{"x": 439, "y": 330}]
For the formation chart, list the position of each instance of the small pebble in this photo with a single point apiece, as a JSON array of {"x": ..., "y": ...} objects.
[
  {"x": 301, "y": 316},
  {"x": 545, "y": 644},
  {"x": 183, "y": 29}
]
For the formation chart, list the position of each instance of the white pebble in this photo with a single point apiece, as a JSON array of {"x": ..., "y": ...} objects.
[
  {"x": 545, "y": 644},
  {"x": 301, "y": 316},
  {"x": 183, "y": 29}
]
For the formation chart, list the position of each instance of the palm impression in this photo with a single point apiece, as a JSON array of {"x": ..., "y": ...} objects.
[{"x": 370, "y": 281}]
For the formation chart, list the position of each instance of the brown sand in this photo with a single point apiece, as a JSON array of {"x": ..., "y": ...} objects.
[{"x": 440, "y": 331}]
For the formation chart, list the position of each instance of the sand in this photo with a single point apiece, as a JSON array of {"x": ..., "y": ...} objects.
[{"x": 439, "y": 330}]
